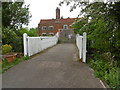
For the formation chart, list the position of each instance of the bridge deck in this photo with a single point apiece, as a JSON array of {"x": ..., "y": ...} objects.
[{"x": 55, "y": 68}]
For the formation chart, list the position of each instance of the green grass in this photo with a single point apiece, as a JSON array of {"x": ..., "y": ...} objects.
[
  {"x": 7, "y": 65},
  {"x": 106, "y": 71}
]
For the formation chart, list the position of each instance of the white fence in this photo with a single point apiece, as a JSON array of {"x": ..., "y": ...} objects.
[
  {"x": 81, "y": 44},
  {"x": 33, "y": 45}
]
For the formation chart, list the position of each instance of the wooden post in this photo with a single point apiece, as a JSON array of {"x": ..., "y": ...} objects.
[
  {"x": 25, "y": 43},
  {"x": 84, "y": 47},
  {"x": 28, "y": 46},
  {"x": 81, "y": 47}
]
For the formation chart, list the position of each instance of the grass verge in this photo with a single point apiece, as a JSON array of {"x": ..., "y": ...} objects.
[
  {"x": 7, "y": 65},
  {"x": 105, "y": 70}
]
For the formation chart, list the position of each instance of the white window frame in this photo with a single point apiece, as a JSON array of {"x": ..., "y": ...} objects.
[
  {"x": 43, "y": 28},
  {"x": 65, "y": 26},
  {"x": 51, "y": 34},
  {"x": 50, "y": 27},
  {"x": 44, "y": 34}
]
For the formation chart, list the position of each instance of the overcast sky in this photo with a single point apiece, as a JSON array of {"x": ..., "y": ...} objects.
[{"x": 45, "y": 9}]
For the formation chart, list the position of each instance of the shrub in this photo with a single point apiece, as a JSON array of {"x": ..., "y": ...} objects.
[
  {"x": 9, "y": 36},
  {"x": 105, "y": 70},
  {"x": 6, "y": 48},
  {"x": 18, "y": 44}
]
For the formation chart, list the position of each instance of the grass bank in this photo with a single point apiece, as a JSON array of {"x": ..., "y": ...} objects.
[{"x": 106, "y": 69}]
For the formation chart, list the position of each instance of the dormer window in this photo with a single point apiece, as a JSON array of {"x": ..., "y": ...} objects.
[
  {"x": 65, "y": 27},
  {"x": 44, "y": 28},
  {"x": 51, "y": 27}
]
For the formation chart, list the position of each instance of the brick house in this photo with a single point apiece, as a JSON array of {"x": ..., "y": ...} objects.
[{"x": 52, "y": 26}]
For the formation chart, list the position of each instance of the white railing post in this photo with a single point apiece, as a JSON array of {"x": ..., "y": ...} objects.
[
  {"x": 84, "y": 47},
  {"x": 81, "y": 46},
  {"x": 25, "y": 43},
  {"x": 28, "y": 46}
]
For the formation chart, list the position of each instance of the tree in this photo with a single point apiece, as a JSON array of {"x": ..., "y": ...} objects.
[
  {"x": 103, "y": 28},
  {"x": 15, "y": 14},
  {"x": 22, "y": 31},
  {"x": 10, "y": 37},
  {"x": 33, "y": 32}
]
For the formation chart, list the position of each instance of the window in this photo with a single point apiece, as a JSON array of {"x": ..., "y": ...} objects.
[
  {"x": 43, "y": 34},
  {"x": 65, "y": 27},
  {"x": 51, "y": 27},
  {"x": 51, "y": 34},
  {"x": 44, "y": 28}
]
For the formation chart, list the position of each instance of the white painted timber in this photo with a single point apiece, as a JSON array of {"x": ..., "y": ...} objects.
[
  {"x": 25, "y": 43},
  {"x": 84, "y": 47},
  {"x": 37, "y": 44},
  {"x": 81, "y": 44}
]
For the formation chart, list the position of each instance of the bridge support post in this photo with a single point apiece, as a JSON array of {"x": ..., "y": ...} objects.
[
  {"x": 25, "y": 44},
  {"x": 84, "y": 47}
]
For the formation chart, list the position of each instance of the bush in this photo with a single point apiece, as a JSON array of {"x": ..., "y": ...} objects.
[
  {"x": 9, "y": 36},
  {"x": 105, "y": 70},
  {"x": 6, "y": 48},
  {"x": 18, "y": 44}
]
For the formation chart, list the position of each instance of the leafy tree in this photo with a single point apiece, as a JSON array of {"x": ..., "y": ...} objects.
[
  {"x": 79, "y": 23},
  {"x": 15, "y": 14},
  {"x": 10, "y": 37},
  {"x": 33, "y": 32},
  {"x": 22, "y": 31},
  {"x": 103, "y": 28}
]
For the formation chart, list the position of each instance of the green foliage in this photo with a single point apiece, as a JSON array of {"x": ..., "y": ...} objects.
[
  {"x": 26, "y": 57},
  {"x": 79, "y": 23},
  {"x": 105, "y": 70},
  {"x": 32, "y": 32},
  {"x": 22, "y": 31},
  {"x": 6, "y": 48},
  {"x": 10, "y": 37},
  {"x": 15, "y": 14},
  {"x": 103, "y": 29},
  {"x": 15, "y": 38},
  {"x": 18, "y": 44}
]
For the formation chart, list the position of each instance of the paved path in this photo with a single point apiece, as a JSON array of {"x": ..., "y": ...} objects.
[{"x": 55, "y": 68}]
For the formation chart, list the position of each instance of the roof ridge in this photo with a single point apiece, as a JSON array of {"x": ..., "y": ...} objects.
[{"x": 59, "y": 19}]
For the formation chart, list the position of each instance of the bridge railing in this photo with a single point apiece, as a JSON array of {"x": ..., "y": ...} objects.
[
  {"x": 81, "y": 44},
  {"x": 34, "y": 45}
]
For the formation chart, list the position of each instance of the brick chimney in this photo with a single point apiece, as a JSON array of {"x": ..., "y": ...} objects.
[{"x": 57, "y": 13}]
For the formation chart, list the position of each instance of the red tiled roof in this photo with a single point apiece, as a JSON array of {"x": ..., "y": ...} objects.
[{"x": 68, "y": 20}]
